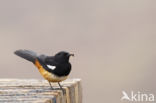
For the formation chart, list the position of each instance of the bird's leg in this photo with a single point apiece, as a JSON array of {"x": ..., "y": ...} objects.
[
  {"x": 51, "y": 86},
  {"x": 60, "y": 87}
]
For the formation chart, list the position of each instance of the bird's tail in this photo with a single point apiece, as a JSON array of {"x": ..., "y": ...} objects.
[{"x": 27, "y": 54}]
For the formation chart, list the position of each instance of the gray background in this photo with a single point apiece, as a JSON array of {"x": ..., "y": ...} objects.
[{"x": 113, "y": 41}]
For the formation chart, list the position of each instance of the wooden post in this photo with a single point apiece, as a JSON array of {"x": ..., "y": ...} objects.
[{"x": 38, "y": 91}]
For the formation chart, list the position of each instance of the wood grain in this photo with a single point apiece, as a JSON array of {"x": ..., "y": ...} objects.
[{"x": 38, "y": 91}]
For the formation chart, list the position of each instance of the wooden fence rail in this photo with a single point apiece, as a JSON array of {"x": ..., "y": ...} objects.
[{"x": 38, "y": 91}]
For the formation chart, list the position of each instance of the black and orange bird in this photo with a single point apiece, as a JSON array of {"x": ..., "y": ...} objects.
[{"x": 53, "y": 68}]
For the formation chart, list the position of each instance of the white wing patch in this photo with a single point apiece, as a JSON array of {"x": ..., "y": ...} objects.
[{"x": 51, "y": 67}]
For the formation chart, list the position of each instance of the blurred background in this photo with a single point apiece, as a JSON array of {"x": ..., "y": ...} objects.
[{"x": 114, "y": 42}]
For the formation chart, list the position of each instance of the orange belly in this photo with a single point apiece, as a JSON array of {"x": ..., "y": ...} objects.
[{"x": 48, "y": 76}]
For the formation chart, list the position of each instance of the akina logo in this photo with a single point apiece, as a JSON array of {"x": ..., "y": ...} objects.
[{"x": 137, "y": 96}]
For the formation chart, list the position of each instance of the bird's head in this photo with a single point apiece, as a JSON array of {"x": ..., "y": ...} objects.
[{"x": 62, "y": 56}]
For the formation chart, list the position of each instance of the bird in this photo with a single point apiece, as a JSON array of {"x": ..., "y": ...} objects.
[{"x": 53, "y": 68}]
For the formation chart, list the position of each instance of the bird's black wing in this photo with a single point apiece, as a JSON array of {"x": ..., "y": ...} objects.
[
  {"x": 44, "y": 61},
  {"x": 49, "y": 64}
]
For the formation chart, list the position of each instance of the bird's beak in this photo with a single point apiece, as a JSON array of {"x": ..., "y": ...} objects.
[{"x": 71, "y": 54}]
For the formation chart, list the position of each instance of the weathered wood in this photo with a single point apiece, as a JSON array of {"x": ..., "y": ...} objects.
[{"x": 38, "y": 91}]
